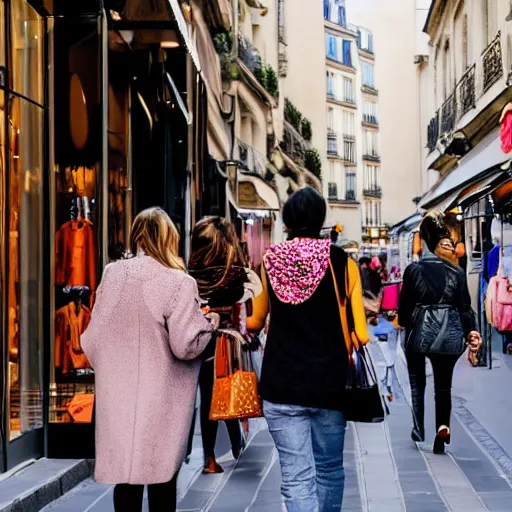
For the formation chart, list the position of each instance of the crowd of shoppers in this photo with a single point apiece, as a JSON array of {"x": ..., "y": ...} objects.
[{"x": 153, "y": 338}]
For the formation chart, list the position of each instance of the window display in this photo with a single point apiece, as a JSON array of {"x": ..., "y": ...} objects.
[
  {"x": 75, "y": 284},
  {"x": 76, "y": 185}
]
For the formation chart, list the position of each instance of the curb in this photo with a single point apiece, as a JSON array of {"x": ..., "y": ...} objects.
[{"x": 37, "y": 493}]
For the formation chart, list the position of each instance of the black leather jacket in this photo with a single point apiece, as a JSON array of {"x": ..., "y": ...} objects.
[{"x": 425, "y": 283}]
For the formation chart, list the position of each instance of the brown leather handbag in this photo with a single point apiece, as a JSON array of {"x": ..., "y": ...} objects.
[{"x": 235, "y": 388}]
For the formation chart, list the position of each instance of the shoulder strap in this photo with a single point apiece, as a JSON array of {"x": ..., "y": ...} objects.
[{"x": 344, "y": 309}]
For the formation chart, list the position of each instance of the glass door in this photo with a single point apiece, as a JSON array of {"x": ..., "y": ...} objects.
[{"x": 21, "y": 167}]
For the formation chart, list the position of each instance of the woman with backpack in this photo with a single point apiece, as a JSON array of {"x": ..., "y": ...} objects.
[{"x": 435, "y": 309}]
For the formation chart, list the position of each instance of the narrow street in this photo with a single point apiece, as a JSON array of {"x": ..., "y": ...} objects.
[{"x": 385, "y": 471}]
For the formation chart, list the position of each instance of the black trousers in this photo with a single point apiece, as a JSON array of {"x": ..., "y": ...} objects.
[
  {"x": 209, "y": 428},
  {"x": 442, "y": 366},
  {"x": 162, "y": 497}
]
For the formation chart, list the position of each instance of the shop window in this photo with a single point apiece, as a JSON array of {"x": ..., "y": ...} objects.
[
  {"x": 27, "y": 55},
  {"x": 77, "y": 210},
  {"x": 25, "y": 276}
]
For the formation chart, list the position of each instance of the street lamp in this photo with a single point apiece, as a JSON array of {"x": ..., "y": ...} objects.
[{"x": 232, "y": 167}]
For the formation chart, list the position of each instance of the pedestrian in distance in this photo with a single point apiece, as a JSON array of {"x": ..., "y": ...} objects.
[
  {"x": 435, "y": 309},
  {"x": 306, "y": 357},
  {"x": 219, "y": 265},
  {"x": 144, "y": 341}
]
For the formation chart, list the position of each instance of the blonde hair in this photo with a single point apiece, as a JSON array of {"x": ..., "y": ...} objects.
[{"x": 154, "y": 233}]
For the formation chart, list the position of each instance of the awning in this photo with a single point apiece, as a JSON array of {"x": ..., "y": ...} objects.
[
  {"x": 253, "y": 195},
  {"x": 219, "y": 143},
  {"x": 158, "y": 16},
  {"x": 408, "y": 224},
  {"x": 479, "y": 190},
  {"x": 183, "y": 27},
  {"x": 476, "y": 165}
]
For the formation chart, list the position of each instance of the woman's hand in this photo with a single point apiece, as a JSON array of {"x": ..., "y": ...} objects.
[
  {"x": 214, "y": 319},
  {"x": 474, "y": 341}
]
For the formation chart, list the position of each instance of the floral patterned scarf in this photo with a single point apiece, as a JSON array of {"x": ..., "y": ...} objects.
[{"x": 296, "y": 267}]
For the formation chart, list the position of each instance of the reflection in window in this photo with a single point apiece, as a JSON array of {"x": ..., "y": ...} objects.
[
  {"x": 25, "y": 274},
  {"x": 27, "y": 55}
]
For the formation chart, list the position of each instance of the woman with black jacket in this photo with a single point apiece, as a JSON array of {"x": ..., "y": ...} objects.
[{"x": 429, "y": 284}]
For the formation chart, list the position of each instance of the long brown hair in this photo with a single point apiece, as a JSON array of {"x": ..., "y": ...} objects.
[
  {"x": 154, "y": 233},
  {"x": 216, "y": 244}
]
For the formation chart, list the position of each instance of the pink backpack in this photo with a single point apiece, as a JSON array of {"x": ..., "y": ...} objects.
[
  {"x": 390, "y": 297},
  {"x": 500, "y": 299}
]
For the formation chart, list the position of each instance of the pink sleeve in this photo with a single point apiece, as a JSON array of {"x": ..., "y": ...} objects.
[{"x": 189, "y": 331}]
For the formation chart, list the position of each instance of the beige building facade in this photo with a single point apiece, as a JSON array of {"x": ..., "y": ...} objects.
[{"x": 397, "y": 42}]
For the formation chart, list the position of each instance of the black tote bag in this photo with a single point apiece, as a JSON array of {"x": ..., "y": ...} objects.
[{"x": 362, "y": 398}]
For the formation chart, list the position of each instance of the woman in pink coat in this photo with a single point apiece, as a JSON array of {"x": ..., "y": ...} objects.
[{"x": 145, "y": 337}]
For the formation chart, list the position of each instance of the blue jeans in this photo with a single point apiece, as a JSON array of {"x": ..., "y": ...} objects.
[{"x": 310, "y": 445}]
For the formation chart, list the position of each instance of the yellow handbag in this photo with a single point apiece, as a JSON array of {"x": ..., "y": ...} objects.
[{"x": 235, "y": 387}]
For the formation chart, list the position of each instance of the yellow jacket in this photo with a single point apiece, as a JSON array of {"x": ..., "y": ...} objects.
[{"x": 354, "y": 293}]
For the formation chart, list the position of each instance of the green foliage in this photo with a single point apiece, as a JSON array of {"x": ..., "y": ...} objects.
[
  {"x": 267, "y": 77},
  {"x": 313, "y": 162},
  {"x": 306, "y": 129},
  {"x": 272, "y": 82},
  {"x": 292, "y": 114},
  {"x": 223, "y": 42}
]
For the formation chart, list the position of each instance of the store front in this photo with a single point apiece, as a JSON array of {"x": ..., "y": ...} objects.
[
  {"x": 117, "y": 124},
  {"x": 22, "y": 187}
]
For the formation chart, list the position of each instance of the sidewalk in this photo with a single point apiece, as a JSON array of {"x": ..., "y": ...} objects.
[{"x": 385, "y": 470}]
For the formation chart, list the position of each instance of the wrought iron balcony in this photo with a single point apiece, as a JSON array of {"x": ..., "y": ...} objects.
[
  {"x": 251, "y": 160},
  {"x": 372, "y": 191},
  {"x": 492, "y": 63},
  {"x": 466, "y": 91},
  {"x": 372, "y": 156},
  {"x": 332, "y": 191},
  {"x": 350, "y": 195},
  {"x": 370, "y": 119},
  {"x": 449, "y": 114},
  {"x": 433, "y": 132}
]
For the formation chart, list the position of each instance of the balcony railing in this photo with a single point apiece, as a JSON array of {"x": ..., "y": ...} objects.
[
  {"x": 372, "y": 192},
  {"x": 372, "y": 156},
  {"x": 449, "y": 113},
  {"x": 350, "y": 195},
  {"x": 492, "y": 62},
  {"x": 342, "y": 98},
  {"x": 467, "y": 91},
  {"x": 475, "y": 82},
  {"x": 433, "y": 132},
  {"x": 251, "y": 160},
  {"x": 370, "y": 119},
  {"x": 332, "y": 191}
]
